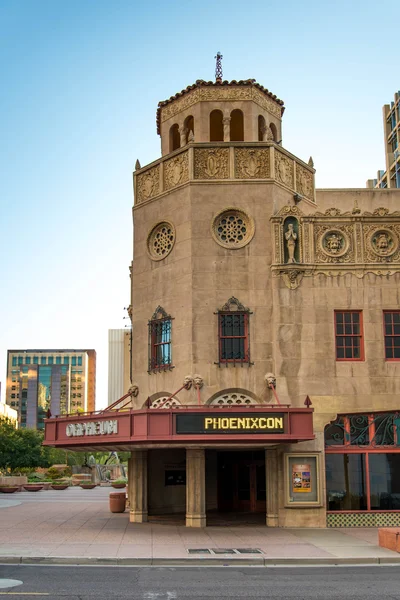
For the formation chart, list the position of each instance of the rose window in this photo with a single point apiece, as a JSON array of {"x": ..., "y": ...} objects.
[
  {"x": 160, "y": 240},
  {"x": 232, "y": 228}
]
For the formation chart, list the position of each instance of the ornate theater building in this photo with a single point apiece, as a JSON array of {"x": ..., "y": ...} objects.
[{"x": 265, "y": 329}]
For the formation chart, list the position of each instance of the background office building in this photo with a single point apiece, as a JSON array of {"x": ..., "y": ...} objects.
[
  {"x": 119, "y": 368},
  {"x": 391, "y": 128},
  {"x": 63, "y": 381}
]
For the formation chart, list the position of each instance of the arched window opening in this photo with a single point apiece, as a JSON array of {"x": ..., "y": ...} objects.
[
  {"x": 160, "y": 341},
  {"x": 233, "y": 333},
  {"x": 237, "y": 126},
  {"x": 274, "y": 131},
  {"x": 174, "y": 138},
  {"x": 216, "y": 126},
  {"x": 261, "y": 128},
  {"x": 189, "y": 129}
]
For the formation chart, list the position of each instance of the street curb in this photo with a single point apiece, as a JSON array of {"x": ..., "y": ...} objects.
[{"x": 196, "y": 561}]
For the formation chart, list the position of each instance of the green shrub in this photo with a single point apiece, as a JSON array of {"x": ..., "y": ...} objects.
[
  {"x": 53, "y": 473},
  {"x": 120, "y": 481},
  {"x": 67, "y": 472}
]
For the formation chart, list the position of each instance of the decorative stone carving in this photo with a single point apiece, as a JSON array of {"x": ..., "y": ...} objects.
[
  {"x": 220, "y": 93},
  {"x": 283, "y": 169},
  {"x": 176, "y": 171},
  {"x": 266, "y": 103},
  {"x": 211, "y": 163},
  {"x": 137, "y": 165},
  {"x": 292, "y": 278},
  {"x": 159, "y": 313},
  {"x": 188, "y": 382},
  {"x": 270, "y": 380},
  {"x": 161, "y": 240},
  {"x": 381, "y": 211},
  {"x": 147, "y": 184},
  {"x": 334, "y": 244},
  {"x": 311, "y": 162},
  {"x": 252, "y": 163},
  {"x": 191, "y": 136},
  {"x": 232, "y": 228},
  {"x": 381, "y": 244},
  {"x": 134, "y": 390},
  {"x": 233, "y": 304},
  {"x": 235, "y": 398},
  {"x": 180, "y": 104},
  {"x": 291, "y": 238},
  {"x": 304, "y": 182},
  {"x": 129, "y": 310},
  {"x": 198, "y": 381},
  {"x": 165, "y": 403}
]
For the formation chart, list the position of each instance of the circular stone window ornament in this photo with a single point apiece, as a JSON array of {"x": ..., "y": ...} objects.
[
  {"x": 161, "y": 240},
  {"x": 232, "y": 228},
  {"x": 384, "y": 242},
  {"x": 334, "y": 243}
]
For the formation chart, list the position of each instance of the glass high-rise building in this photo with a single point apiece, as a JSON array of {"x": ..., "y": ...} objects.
[
  {"x": 391, "y": 128},
  {"x": 62, "y": 381}
]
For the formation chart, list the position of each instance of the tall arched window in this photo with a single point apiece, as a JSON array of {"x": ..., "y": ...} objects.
[
  {"x": 274, "y": 131},
  {"x": 216, "y": 126},
  {"x": 261, "y": 128},
  {"x": 233, "y": 333},
  {"x": 174, "y": 138},
  {"x": 189, "y": 128},
  {"x": 160, "y": 341},
  {"x": 237, "y": 126}
]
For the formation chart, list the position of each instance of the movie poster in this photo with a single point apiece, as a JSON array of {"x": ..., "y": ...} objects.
[{"x": 301, "y": 478}]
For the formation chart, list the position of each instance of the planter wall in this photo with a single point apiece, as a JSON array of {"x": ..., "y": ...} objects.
[{"x": 13, "y": 480}]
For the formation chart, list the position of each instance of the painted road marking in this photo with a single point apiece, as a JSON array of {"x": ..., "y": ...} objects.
[
  {"x": 7, "y": 583},
  {"x": 159, "y": 595}
]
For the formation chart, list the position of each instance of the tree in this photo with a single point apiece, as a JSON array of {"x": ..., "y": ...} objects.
[{"x": 21, "y": 448}]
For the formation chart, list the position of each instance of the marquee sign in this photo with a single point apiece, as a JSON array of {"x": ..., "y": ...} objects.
[
  {"x": 92, "y": 428},
  {"x": 231, "y": 423}
]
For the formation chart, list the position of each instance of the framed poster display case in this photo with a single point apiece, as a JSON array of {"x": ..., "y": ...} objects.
[{"x": 302, "y": 479}]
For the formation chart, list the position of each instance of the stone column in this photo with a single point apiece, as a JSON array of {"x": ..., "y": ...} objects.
[
  {"x": 271, "y": 465},
  {"x": 195, "y": 488},
  {"x": 226, "y": 121},
  {"x": 137, "y": 486},
  {"x": 182, "y": 132}
]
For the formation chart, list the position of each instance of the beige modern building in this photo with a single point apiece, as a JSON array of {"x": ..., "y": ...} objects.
[
  {"x": 62, "y": 381},
  {"x": 390, "y": 178},
  {"x": 266, "y": 327},
  {"x": 119, "y": 363}
]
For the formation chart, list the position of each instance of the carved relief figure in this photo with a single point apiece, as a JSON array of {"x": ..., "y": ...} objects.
[
  {"x": 291, "y": 237},
  {"x": 334, "y": 243},
  {"x": 383, "y": 242}
]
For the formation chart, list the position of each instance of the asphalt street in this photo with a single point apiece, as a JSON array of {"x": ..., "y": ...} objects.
[{"x": 203, "y": 583}]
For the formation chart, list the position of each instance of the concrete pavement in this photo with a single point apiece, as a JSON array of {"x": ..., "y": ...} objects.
[{"x": 75, "y": 527}]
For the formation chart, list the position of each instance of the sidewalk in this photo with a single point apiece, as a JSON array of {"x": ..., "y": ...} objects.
[{"x": 76, "y": 527}]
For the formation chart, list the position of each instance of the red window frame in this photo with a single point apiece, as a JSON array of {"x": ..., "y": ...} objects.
[
  {"x": 155, "y": 345},
  {"x": 367, "y": 450},
  {"x": 245, "y": 337},
  {"x": 390, "y": 335},
  {"x": 352, "y": 335}
]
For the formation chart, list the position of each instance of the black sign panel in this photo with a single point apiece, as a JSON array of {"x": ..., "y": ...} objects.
[{"x": 232, "y": 423}]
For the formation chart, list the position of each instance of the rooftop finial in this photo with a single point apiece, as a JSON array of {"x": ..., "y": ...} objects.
[{"x": 218, "y": 67}]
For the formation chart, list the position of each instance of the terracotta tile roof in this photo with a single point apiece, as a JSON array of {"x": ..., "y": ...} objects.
[{"x": 201, "y": 83}]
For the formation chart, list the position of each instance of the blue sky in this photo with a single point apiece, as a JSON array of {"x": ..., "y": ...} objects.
[{"x": 80, "y": 87}]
